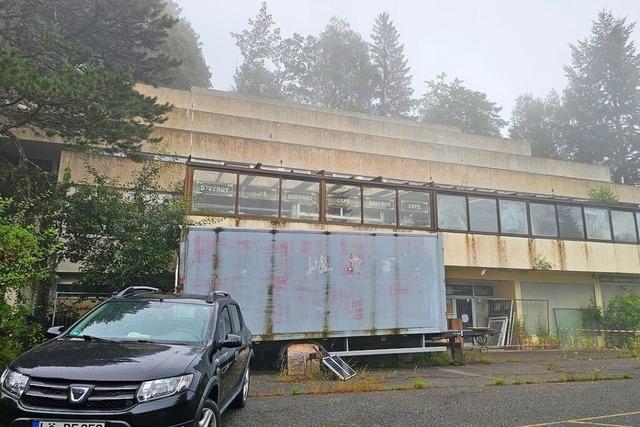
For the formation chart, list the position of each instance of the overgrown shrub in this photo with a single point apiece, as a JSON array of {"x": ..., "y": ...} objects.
[{"x": 18, "y": 332}]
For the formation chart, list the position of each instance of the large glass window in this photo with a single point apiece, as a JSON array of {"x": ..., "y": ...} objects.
[
  {"x": 638, "y": 222},
  {"x": 624, "y": 226},
  {"x": 513, "y": 217},
  {"x": 570, "y": 222},
  {"x": 543, "y": 219},
  {"x": 597, "y": 221},
  {"x": 343, "y": 203},
  {"x": 300, "y": 199},
  {"x": 415, "y": 208},
  {"x": 214, "y": 192},
  {"x": 483, "y": 214},
  {"x": 379, "y": 206},
  {"x": 258, "y": 195},
  {"x": 452, "y": 212}
]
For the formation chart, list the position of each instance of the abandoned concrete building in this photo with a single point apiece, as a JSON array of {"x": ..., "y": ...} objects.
[{"x": 515, "y": 227}]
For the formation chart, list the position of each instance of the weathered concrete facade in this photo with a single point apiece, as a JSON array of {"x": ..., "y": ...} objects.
[{"x": 216, "y": 126}]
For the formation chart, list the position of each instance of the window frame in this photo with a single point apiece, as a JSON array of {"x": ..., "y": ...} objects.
[
  {"x": 466, "y": 210},
  {"x": 555, "y": 217},
  {"x": 526, "y": 213},
  {"x": 497, "y": 206},
  {"x": 635, "y": 215},
  {"x": 397, "y": 187},
  {"x": 586, "y": 228}
]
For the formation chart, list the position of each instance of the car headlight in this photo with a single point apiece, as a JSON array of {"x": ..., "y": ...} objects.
[
  {"x": 14, "y": 382},
  {"x": 156, "y": 389}
]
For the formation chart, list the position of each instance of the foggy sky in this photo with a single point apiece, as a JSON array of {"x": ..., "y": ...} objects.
[{"x": 501, "y": 47}]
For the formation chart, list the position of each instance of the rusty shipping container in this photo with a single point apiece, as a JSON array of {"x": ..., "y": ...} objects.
[{"x": 297, "y": 285}]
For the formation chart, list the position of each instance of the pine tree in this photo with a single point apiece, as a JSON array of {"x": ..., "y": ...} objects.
[
  {"x": 259, "y": 48},
  {"x": 453, "y": 104},
  {"x": 603, "y": 99},
  {"x": 68, "y": 70},
  {"x": 392, "y": 96}
]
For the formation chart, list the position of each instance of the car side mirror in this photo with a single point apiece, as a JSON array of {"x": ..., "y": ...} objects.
[
  {"x": 232, "y": 341},
  {"x": 54, "y": 331}
]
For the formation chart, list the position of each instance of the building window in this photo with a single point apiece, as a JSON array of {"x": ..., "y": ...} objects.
[
  {"x": 379, "y": 206},
  {"x": 570, "y": 222},
  {"x": 300, "y": 199},
  {"x": 638, "y": 222},
  {"x": 624, "y": 226},
  {"x": 415, "y": 208},
  {"x": 543, "y": 220},
  {"x": 343, "y": 203},
  {"x": 597, "y": 222},
  {"x": 459, "y": 290},
  {"x": 452, "y": 212},
  {"x": 214, "y": 192},
  {"x": 513, "y": 217},
  {"x": 258, "y": 195},
  {"x": 483, "y": 214}
]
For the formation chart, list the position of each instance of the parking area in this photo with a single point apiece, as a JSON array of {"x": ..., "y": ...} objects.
[{"x": 523, "y": 389}]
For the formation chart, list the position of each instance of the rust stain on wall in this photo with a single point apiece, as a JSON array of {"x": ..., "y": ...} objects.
[{"x": 562, "y": 255}]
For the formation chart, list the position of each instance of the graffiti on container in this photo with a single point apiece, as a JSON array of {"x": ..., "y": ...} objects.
[
  {"x": 318, "y": 263},
  {"x": 354, "y": 264}
]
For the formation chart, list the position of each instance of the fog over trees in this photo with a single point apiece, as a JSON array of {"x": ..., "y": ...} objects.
[{"x": 595, "y": 119}]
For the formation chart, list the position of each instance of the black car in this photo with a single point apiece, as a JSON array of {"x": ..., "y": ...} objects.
[{"x": 141, "y": 358}]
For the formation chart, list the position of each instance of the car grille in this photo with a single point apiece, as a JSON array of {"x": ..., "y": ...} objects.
[{"x": 54, "y": 394}]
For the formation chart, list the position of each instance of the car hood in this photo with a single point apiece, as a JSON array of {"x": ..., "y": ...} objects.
[{"x": 104, "y": 361}]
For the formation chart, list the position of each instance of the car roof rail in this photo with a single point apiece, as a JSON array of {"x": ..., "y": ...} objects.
[
  {"x": 213, "y": 293},
  {"x": 132, "y": 290}
]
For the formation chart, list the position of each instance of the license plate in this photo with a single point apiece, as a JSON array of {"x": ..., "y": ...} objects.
[{"x": 46, "y": 423}]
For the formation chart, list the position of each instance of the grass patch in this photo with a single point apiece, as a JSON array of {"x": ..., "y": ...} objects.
[
  {"x": 419, "y": 384},
  {"x": 295, "y": 389},
  {"x": 553, "y": 367},
  {"x": 595, "y": 375},
  {"x": 359, "y": 383},
  {"x": 498, "y": 382},
  {"x": 439, "y": 358},
  {"x": 477, "y": 357}
]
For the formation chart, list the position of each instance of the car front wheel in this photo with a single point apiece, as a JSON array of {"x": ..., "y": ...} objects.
[{"x": 210, "y": 415}]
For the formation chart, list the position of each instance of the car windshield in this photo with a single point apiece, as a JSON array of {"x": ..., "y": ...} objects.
[{"x": 154, "y": 321}]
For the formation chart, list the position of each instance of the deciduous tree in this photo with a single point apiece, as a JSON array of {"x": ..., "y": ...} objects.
[
  {"x": 539, "y": 122},
  {"x": 453, "y": 104}
]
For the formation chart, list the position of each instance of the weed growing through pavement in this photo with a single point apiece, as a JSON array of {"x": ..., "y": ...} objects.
[
  {"x": 498, "y": 382},
  {"x": 419, "y": 384},
  {"x": 478, "y": 357}
]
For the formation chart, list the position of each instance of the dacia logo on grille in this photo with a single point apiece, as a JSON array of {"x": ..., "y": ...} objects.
[{"x": 78, "y": 393}]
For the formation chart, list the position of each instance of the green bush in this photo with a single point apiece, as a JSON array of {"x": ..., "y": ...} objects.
[
  {"x": 18, "y": 332},
  {"x": 622, "y": 312}
]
